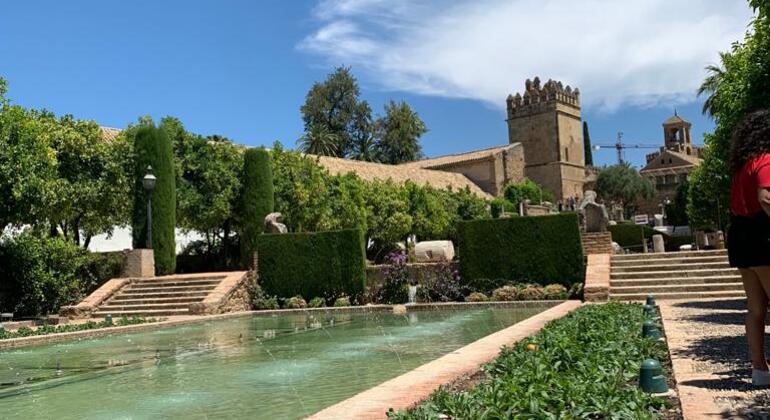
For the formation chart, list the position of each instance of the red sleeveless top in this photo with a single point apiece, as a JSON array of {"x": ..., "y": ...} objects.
[{"x": 754, "y": 174}]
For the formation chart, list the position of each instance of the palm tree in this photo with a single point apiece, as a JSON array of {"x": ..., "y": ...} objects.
[
  {"x": 319, "y": 141},
  {"x": 364, "y": 148},
  {"x": 712, "y": 84}
]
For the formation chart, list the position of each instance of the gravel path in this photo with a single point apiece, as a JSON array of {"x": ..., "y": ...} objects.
[{"x": 707, "y": 342}]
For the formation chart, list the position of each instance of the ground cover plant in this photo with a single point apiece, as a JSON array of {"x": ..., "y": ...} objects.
[
  {"x": 56, "y": 329},
  {"x": 585, "y": 365}
]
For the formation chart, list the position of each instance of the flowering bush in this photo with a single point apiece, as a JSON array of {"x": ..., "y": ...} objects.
[
  {"x": 555, "y": 292},
  {"x": 443, "y": 286},
  {"x": 296, "y": 302},
  {"x": 531, "y": 292},
  {"x": 342, "y": 301},
  {"x": 317, "y": 302},
  {"x": 505, "y": 293},
  {"x": 476, "y": 297},
  {"x": 396, "y": 277}
]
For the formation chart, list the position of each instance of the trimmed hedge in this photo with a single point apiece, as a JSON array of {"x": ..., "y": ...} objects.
[
  {"x": 541, "y": 250},
  {"x": 152, "y": 147},
  {"x": 326, "y": 264},
  {"x": 629, "y": 235},
  {"x": 256, "y": 200}
]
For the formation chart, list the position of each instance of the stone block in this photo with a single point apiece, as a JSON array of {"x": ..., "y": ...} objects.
[
  {"x": 433, "y": 251},
  {"x": 139, "y": 263},
  {"x": 657, "y": 244}
]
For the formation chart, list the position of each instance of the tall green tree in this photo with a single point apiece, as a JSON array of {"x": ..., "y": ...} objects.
[
  {"x": 623, "y": 185},
  {"x": 152, "y": 147},
  {"x": 589, "y": 154},
  {"x": 398, "y": 134},
  {"x": 364, "y": 142},
  {"x": 257, "y": 200},
  {"x": 737, "y": 86},
  {"x": 334, "y": 105}
]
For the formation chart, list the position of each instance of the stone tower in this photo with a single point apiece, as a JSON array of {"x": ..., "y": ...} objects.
[
  {"x": 676, "y": 132},
  {"x": 546, "y": 121}
]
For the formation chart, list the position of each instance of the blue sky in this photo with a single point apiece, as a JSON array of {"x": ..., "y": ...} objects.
[{"x": 242, "y": 68}]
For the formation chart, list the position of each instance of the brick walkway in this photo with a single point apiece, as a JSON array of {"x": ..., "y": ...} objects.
[{"x": 707, "y": 341}]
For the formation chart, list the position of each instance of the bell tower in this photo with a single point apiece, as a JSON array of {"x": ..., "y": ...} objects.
[
  {"x": 676, "y": 132},
  {"x": 546, "y": 121}
]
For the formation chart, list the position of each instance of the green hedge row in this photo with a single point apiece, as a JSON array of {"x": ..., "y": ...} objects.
[
  {"x": 629, "y": 235},
  {"x": 256, "y": 200},
  {"x": 541, "y": 250},
  {"x": 325, "y": 264}
]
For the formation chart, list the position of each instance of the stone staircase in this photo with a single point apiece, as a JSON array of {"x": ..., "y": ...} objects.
[
  {"x": 155, "y": 297},
  {"x": 673, "y": 275}
]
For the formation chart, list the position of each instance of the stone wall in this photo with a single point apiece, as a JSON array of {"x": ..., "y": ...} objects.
[{"x": 596, "y": 243}]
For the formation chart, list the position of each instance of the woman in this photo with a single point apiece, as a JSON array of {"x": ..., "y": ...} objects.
[{"x": 748, "y": 240}]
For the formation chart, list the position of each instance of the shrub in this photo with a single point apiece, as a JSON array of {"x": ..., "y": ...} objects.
[
  {"x": 256, "y": 200},
  {"x": 443, "y": 285},
  {"x": 515, "y": 193},
  {"x": 531, "y": 292},
  {"x": 152, "y": 147},
  {"x": 56, "y": 329},
  {"x": 342, "y": 301},
  {"x": 40, "y": 274},
  {"x": 395, "y": 280},
  {"x": 500, "y": 205},
  {"x": 259, "y": 300},
  {"x": 629, "y": 235},
  {"x": 296, "y": 302},
  {"x": 522, "y": 249},
  {"x": 505, "y": 293},
  {"x": 555, "y": 292},
  {"x": 476, "y": 297},
  {"x": 317, "y": 302},
  {"x": 323, "y": 264},
  {"x": 594, "y": 351},
  {"x": 98, "y": 268}
]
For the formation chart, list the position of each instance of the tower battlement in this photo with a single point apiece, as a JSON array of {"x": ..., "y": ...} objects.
[{"x": 537, "y": 98}]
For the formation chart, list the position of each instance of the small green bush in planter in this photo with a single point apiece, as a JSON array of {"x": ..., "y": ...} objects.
[
  {"x": 505, "y": 293},
  {"x": 317, "y": 302},
  {"x": 555, "y": 292},
  {"x": 296, "y": 302},
  {"x": 476, "y": 297},
  {"x": 342, "y": 301},
  {"x": 531, "y": 292}
]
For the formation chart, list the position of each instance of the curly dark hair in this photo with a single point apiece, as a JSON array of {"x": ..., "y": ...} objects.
[{"x": 750, "y": 138}]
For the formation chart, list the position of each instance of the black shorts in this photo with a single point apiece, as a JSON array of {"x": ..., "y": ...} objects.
[{"x": 748, "y": 241}]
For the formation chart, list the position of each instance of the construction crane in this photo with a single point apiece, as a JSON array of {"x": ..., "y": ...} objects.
[{"x": 620, "y": 147}]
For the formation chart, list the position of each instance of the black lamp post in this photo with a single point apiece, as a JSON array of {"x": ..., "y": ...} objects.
[{"x": 149, "y": 184}]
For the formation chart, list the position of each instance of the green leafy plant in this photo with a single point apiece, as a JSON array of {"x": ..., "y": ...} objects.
[
  {"x": 259, "y": 300},
  {"x": 505, "y": 293},
  {"x": 555, "y": 292},
  {"x": 65, "y": 328},
  {"x": 531, "y": 292},
  {"x": 295, "y": 302},
  {"x": 476, "y": 297},
  {"x": 317, "y": 302},
  {"x": 585, "y": 365},
  {"x": 341, "y": 301}
]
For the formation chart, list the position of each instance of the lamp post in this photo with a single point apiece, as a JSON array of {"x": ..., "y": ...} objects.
[{"x": 149, "y": 184}]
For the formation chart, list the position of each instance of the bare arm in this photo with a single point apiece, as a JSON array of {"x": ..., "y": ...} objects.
[{"x": 763, "y": 194}]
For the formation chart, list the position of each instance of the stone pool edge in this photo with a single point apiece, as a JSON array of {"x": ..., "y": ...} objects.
[
  {"x": 35, "y": 340},
  {"x": 416, "y": 385}
]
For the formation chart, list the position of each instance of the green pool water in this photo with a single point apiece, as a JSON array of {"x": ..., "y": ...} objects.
[{"x": 267, "y": 367}]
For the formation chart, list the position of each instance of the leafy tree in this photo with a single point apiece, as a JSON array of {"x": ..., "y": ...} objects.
[
  {"x": 676, "y": 211},
  {"x": 589, "y": 155},
  {"x": 622, "y": 184},
  {"x": 430, "y": 217},
  {"x": 346, "y": 201},
  {"x": 398, "y": 134},
  {"x": 256, "y": 200},
  {"x": 318, "y": 140},
  {"x": 517, "y": 192},
  {"x": 152, "y": 147},
  {"x": 388, "y": 218},
  {"x": 736, "y": 87},
  {"x": 334, "y": 105},
  {"x": 364, "y": 143}
]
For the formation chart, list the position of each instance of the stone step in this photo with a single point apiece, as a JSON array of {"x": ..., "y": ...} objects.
[
  {"x": 170, "y": 283},
  {"x": 132, "y": 307},
  {"x": 676, "y": 254},
  {"x": 161, "y": 294},
  {"x": 146, "y": 313},
  {"x": 671, "y": 261},
  {"x": 673, "y": 274},
  {"x": 128, "y": 300},
  {"x": 671, "y": 267},
  {"x": 151, "y": 289},
  {"x": 672, "y": 288},
  {"x": 678, "y": 295},
  {"x": 677, "y": 280}
]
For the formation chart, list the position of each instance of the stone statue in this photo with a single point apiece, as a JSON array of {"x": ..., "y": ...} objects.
[
  {"x": 273, "y": 223},
  {"x": 593, "y": 216},
  {"x": 434, "y": 251}
]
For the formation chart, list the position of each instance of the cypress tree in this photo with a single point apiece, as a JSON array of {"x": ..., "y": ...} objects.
[
  {"x": 152, "y": 147},
  {"x": 256, "y": 200},
  {"x": 589, "y": 157}
]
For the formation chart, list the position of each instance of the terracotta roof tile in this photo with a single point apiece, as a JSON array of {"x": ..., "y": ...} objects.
[
  {"x": 440, "y": 161},
  {"x": 109, "y": 133}
]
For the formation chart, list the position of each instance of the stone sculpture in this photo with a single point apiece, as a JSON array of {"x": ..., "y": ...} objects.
[
  {"x": 433, "y": 251},
  {"x": 593, "y": 216},
  {"x": 273, "y": 223}
]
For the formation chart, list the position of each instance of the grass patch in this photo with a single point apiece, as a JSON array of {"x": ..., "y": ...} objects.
[
  {"x": 585, "y": 365},
  {"x": 56, "y": 329}
]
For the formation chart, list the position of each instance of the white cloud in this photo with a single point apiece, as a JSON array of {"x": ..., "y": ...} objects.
[{"x": 643, "y": 52}]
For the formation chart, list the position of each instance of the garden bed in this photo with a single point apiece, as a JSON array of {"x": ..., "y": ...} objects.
[
  {"x": 583, "y": 365},
  {"x": 69, "y": 328}
]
